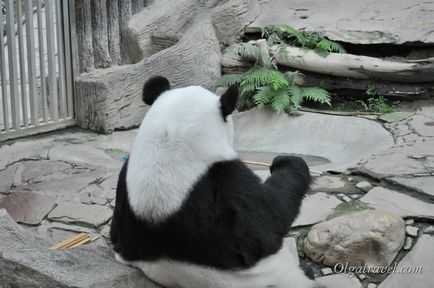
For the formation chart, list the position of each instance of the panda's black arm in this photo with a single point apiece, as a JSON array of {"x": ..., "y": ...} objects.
[{"x": 289, "y": 182}]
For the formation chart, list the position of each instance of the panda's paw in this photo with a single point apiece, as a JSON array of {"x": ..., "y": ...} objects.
[{"x": 293, "y": 163}]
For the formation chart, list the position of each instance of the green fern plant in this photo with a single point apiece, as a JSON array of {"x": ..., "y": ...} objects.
[
  {"x": 270, "y": 87},
  {"x": 287, "y": 35}
]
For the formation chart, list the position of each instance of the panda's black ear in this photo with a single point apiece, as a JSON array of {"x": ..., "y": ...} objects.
[
  {"x": 153, "y": 88},
  {"x": 228, "y": 101}
]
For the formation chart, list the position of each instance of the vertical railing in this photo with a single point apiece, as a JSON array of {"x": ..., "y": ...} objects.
[{"x": 35, "y": 67}]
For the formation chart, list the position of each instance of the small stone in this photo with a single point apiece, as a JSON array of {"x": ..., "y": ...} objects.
[
  {"x": 362, "y": 277},
  {"x": 28, "y": 207},
  {"x": 409, "y": 222},
  {"x": 346, "y": 199},
  {"x": 354, "y": 196},
  {"x": 408, "y": 243},
  {"x": 326, "y": 271},
  {"x": 350, "y": 238},
  {"x": 105, "y": 232},
  {"x": 316, "y": 208},
  {"x": 364, "y": 186},
  {"x": 328, "y": 183},
  {"x": 412, "y": 230},
  {"x": 371, "y": 285},
  {"x": 70, "y": 212},
  {"x": 429, "y": 230}
]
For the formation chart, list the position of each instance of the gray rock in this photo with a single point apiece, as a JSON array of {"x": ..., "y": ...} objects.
[
  {"x": 395, "y": 116},
  {"x": 427, "y": 111},
  {"x": 396, "y": 161},
  {"x": 12, "y": 236},
  {"x": 42, "y": 170},
  {"x": 371, "y": 285},
  {"x": 91, "y": 215},
  {"x": 85, "y": 154},
  {"x": 409, "y": 222},
  {"x": 27, "y": 207},
  {"x": 105, "y": 232},
  {"x": 421, "y": 184},
  {"x": 329, "y": 183},
  {"x": 366, "y": 237},
  {"x": 408, "y": 243},
  {"x": 412, "y": 231},
  {"x": 316, "y": 208},
  {"x": 7, "y": 178},
  {"x": 429, "y": 230},
  {"x": 346, "y": 199},
  {"x": 359, "y": 22},
  {"x": 326, "y": 271},
  {"x": 422, "y": 125},
  {"x": 364, "y": 186},
  {"x": 93, "y": 194},
  {"x": 80, "y": 267},
  {"x": 421, "y": 259},
  {"x": 353, "y": 139},
  {"x": 339, "y": 281},
  {"x": 398, "y": 203}
]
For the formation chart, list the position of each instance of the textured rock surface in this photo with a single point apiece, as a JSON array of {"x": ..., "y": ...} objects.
[
  {"x": 421, "y": 184},
  {"x": 183, "y": 46},
  {"x": 84, "y": 154},
  {"x": 27, "y": 207},
  {"x": 316, "y": 208},
  {"x": 400, "y": 161},
  {"x": 7, "y": 176},
  {"x": 339, "y": 281},
  {"x": 329, "y": 183},
  {"x": 383, "y": 199},
  {"x": 70, "y": 212},
  {"x": 394, "y": 116},
  {"x": 366, "y": 237},
  {"x": 12, "y": 236},
  {"x": 353, "y": 139},
  {"x": 354, "y": 21},
  {"x": 421, "y": 256}
]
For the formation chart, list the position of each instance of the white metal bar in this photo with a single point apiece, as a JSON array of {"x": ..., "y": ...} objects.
[
  {"x": 52, "y": 81},
  {"x": 42, "y": 61},
  {"x": 31, "y": 62},
  {"x": 60, "y": 58},
  {"x": 5, "y": 97},
  {"x": 68, "y": 60},
  {"x": 22, "y": 59},
  {"x": 13, "y": 79}
]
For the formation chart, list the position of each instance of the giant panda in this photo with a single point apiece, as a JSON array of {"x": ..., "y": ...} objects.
[{"x": 189, "y": 213}]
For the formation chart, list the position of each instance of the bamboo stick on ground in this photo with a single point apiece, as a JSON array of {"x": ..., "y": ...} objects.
[{"x": 70, "y": 242}]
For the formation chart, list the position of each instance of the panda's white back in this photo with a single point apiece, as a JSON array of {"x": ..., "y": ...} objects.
[{"x": 180, "y": 137}]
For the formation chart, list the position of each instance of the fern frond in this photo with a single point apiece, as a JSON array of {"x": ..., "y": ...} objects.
[
  {"x": 260, "y": 77},
  {"x": 296, "y": 96},
  {"x": 264, "y": 96},
  {"x": 280, "y": 101},
  {"x": 316, "y": 94},
  {"x": 229, "y": 79}
]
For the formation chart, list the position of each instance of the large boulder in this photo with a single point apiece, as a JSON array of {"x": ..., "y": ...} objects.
[
  {"x": 364, "y": 238},
  {"x": 353, "y": 21},
  {"x": 25, "y": 261}
]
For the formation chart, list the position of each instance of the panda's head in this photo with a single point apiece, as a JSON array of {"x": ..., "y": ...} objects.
[
  {"x": 184, "y": 133},
  {"x": 197, "y": 116}
]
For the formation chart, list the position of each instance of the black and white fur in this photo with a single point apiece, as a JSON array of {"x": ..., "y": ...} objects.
[{"x": 189, "y": 213}]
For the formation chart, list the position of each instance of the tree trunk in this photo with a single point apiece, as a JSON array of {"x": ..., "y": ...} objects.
[
  {"x": 100, "y": 42},
  {"x": 113, "y": 31},
  {"x": 124, "y": 18},
  {"x": 356, "y": 66},
  {"x": 84, "y": 34}
]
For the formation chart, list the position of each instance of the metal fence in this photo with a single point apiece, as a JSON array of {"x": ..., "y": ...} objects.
[{"x": 36, "y": 67}]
